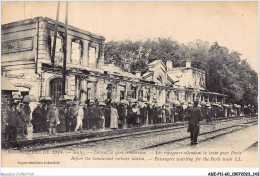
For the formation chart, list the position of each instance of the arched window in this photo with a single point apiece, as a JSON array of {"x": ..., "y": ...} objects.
[{"x": 56, "y": 89}]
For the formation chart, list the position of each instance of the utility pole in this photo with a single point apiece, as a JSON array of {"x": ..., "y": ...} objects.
[
  {"x": 55, "y": 34},
  {"x": 65, "y": 51}
]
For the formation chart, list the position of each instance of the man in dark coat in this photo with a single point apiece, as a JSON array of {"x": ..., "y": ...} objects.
[
  {"x": 11, "y": 123},
  {"x": 74, "y": 114},
  {"x": 150, "y": 113},
  {"x": 155, "y": 114},
  {"x": 97, "y": 115},
  {"x": 180, "y": 113},
  {"x": 85, "y": 121},
  {"x": 44, "y": 112},
  {"x": 172, "y": 109},
  {"x": 122, "y": 115},
  {"x": 176, "y": 113},
  {"x": 195, "y": 115},
  {"x": 36, "y": 118},
  {"x": 62, "y": 117},
  {"x": 91, "y": 116},
  {"x": 107, "y": 115},
  {"x": 168, "y": 113},
  {"x": 21, "y": 119},
  {"x": 144, "y": 114},
  {"x": 207, "y": 113},
  {"x": 129, "y": 116}
]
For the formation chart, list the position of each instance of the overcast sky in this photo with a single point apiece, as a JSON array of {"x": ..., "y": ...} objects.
[{"x": 232, "y": 24}]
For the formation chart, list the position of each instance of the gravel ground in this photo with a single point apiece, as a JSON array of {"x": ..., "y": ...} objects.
[{"x": 141, "y": 141}]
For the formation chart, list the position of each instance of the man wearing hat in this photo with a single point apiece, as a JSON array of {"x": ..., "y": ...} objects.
[
  {"x": 21, "y": 128},
  {"x": 73, "y": 115},
  {"x": 150, "y": 113},
  {"x": 172, "y": 109},
  {"x": 68, "y": 116},
  {"x": 194, "y": 116},
  {"x": 97, "y": 115},
  {"x": 85, "y": 121},
  {"x": 91, "y": 115},
  {"x": 62, "y": 117},
  {"x": 207, "y": 112},
  {"x": 11, "y": 123},
  {"x": 53, "y": 119},
  {"x": 44, "y": 111},
  {"x": 36, "y": 118},
  {"x": 122, "y": 115},
  {"x": 102, "y": 106}
]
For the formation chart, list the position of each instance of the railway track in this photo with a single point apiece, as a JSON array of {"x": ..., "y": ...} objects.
[
  {"x": 217, "y": 132},
  {"x": 207, "y": 135}
]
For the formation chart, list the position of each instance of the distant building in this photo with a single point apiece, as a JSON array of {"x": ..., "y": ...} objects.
[
  {"x": 26, "y": 63},
  {"x": 193, "y": 84}
]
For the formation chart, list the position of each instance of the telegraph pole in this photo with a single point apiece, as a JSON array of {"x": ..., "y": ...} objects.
[
  {"x": 65, "y": 51},
  {"x": 55, "y": 34}
]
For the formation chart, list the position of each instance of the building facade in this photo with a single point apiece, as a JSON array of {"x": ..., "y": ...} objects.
[
  {"x": 193, "y": 84},
  {"x": 26, "y": 62}
]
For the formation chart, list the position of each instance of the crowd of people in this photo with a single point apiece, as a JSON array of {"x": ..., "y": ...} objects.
[{"x": 70, "y": 116}]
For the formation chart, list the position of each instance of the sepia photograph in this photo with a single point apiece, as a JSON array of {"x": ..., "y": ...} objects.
[{"x": 139, "y": 84}]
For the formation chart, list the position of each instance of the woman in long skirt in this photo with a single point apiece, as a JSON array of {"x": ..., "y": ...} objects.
[
  {"x": 114, "y": 117},
  {"x": 80, "y": 117}
]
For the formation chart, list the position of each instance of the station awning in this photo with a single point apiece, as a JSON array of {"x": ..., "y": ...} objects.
[{"x": 7, "y": 85}]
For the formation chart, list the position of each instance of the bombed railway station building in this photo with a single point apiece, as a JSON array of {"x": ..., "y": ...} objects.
[{"x": 26, "y": 62}]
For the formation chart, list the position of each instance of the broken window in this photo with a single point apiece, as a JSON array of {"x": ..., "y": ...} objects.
[
  {"x": 76, "y": 52},
  {"x": 58, "y": 49},
  {"x": 92, "y": 57}
]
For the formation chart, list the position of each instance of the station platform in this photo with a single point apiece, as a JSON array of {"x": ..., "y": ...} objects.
[{"x": 43, "y": 137}]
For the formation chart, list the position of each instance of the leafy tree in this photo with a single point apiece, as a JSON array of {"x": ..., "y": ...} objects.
[{"x": 226, "y": 72}]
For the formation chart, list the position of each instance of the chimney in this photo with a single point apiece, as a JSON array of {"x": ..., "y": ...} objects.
[
  {"x": 169, "y": 64},
  {"x": 138, "y": 73},
  {"x": 188, "y": 63},
  {"x": 127, "y": 67}
]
